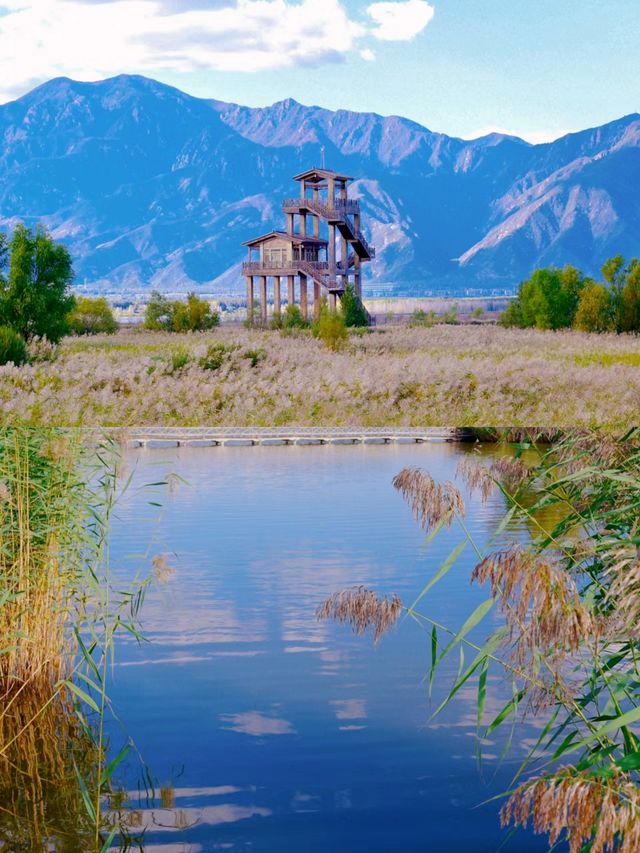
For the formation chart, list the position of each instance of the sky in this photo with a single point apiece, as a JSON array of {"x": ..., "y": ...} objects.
[{"x": 534, "y": 68}]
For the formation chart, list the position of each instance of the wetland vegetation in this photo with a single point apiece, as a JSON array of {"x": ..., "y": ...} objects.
[
  {"x": 468, "y": 376},
  {"x": 551, "y": 638}
]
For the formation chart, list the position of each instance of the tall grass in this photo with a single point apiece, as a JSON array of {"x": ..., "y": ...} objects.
[
  {"x": 59, "y": 615},
  {"x": 41, "y": 536},
  {"x": 569, "y": 627},
  {"x": 462, "y": 375}
]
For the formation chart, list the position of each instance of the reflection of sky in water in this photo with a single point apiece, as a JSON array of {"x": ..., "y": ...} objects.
[{"x": 279, "y": 732}]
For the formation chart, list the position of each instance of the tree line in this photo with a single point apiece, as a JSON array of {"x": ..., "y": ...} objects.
[
  {"x": 36, "y": 301},
  {"x": 554, "y": 298}
]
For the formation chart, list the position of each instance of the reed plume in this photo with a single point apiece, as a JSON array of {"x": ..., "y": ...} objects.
[
  {"x": 431, "y": 503},
  {"x": 512, "y": 472},
  {"x": 588, "y": 808},
  {"x": 363, "y": 610},
  {"x": 541, "y": 604}
]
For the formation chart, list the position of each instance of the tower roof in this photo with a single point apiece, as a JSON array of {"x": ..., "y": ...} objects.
[
  {"x": 317, "y": 176},
  {"x": 292, "y": 238}
]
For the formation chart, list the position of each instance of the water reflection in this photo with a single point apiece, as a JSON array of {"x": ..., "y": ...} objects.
[
  {"x": 40, "y": 797},
  {"x": 318, "y": 739}
]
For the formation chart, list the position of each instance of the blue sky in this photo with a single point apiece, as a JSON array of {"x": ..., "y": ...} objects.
[{"x": 538, "y": 69}]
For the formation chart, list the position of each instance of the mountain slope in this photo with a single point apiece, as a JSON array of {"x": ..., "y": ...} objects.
[{"x": 152, "y": 187}]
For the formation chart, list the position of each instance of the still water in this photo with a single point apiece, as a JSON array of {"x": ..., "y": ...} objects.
[{"x": 270, "y": 731}]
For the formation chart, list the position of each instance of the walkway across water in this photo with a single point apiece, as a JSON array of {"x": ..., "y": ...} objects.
[{"x": 161, "y": 437}]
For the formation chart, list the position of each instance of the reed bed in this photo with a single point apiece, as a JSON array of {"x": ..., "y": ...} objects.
[
  {"x": 59, "y": 614},
  {"x": 568, "y": 636},
  {"x": 468, "y": 376},
  {"x": 41, "y": 535}
]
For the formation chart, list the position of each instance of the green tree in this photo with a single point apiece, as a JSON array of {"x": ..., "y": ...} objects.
[
  {"x": 35, "y": 298},
  {"x": 194, "y": 315},
  {"x": 594, "y": 309},
  {"x": 630, "y": 298},
  {"x": 12, "y": 347},
  {"x": 92, "y": 317},
  {"x": 547, "y": 300},
  {"x": 352, "y": 309},
  {"x": 158, "y": 315}
]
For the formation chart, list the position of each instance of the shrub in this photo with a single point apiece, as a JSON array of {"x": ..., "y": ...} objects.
[
  {"x": 423, "y": 319},
  {"x": 293, "y": 319},
  {"x": 194, "y": 315},
  {"x": 331, "y": 328},
  {"x": 215, "y": 356},
  {"x": 92, "y": 317},
  {"x": 158, "y": 314},
  {"x": 451, "y": 316},
  {"x": 12, "y": 347},
  {"x": 179, "y": 358},
  {"x": 352, "y": 309},
  {"x": 255, "y": 356}
]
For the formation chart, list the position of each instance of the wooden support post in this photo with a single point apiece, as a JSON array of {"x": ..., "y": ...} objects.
[
  {"x": 263, "y": 299},
  {"x": 277, "y": 297},
  {"x": 316, "y": 226},
  {"x": 304, "y": 296},
  {"x": 317, "y": 296},
  {"x": 332, "y": 252},
  {"x": 290, "y": 224},
  {"x": 345, "y": 262},
  {"x": 303, "y": 189},
  {"x": 331, "y": 194},
  {"x": 303, "y": 224},
  {"x": 291, "y": 289},
  {"x": 250, "y": 298},
  {"x": 332, "y": 302},
  {"x": 358, "y": 282}
]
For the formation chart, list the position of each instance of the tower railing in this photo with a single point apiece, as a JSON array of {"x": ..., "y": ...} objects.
[{"x": 335, "y": 211}]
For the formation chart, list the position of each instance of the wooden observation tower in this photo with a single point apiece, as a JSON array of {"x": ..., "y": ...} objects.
[{"x": 323, "y": 243}]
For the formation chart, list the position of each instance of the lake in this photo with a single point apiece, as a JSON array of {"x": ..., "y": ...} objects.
[{"x": 266, "y": 729}]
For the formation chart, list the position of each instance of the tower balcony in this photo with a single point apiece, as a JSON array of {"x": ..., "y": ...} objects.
[{"x": 332, "y": 213}]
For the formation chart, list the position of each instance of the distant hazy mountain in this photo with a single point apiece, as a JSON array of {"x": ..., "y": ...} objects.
[{"x": 152, "y": 187}]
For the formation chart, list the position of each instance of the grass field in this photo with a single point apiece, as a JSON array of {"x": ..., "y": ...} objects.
[{"x": 463, "y": 375}]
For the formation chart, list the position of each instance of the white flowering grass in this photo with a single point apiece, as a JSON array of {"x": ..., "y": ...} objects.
[{"x": 462, "y": 375}]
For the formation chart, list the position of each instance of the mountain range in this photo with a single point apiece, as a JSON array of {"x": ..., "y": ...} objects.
[{"x": 151, "y": 187}]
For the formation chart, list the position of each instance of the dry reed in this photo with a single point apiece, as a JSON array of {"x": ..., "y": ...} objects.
[
  {"x": 431, "y": 503},
  {"x": 603, "y": 811},
  {"x": 510, "y": 471},
  {"x": 39, "y": 541},
  {"x": 544, "y": 613},
  {"x": 363, "y": 610}
]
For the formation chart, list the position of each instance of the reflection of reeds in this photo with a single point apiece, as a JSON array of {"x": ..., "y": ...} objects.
[
  {"x": 363, "y": 610},
  {"x": 39, "y": 793},
  {"x": 603, "y": 811},
  {"x": 431, "y": 503}
]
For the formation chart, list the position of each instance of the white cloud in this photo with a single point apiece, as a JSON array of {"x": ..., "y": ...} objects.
[
  {"x": 400, "y": 21},
  {"x": 90, "y": 39}
]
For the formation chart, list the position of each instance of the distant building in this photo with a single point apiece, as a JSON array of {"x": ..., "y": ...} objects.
[{"x": 303, "y": 253}]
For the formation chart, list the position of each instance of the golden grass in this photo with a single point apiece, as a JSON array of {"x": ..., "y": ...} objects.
[{"x": 467, "y": 375}]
